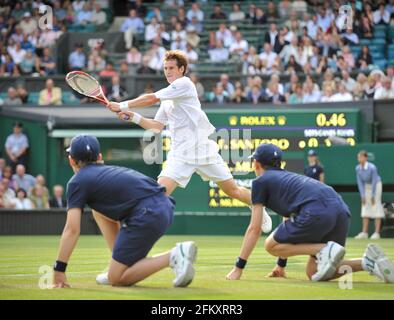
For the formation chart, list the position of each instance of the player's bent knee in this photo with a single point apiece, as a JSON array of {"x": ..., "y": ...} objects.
[{"x": 269, "y": 246}]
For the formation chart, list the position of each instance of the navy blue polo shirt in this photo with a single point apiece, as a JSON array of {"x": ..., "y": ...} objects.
[
  {"x": 314, "y": 172},
  {"x": 286, "y": 192},
  {"x": 110, "y": 190}
]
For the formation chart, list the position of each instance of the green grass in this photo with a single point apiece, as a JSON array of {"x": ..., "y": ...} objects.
[{"x": 22, "y": 256}]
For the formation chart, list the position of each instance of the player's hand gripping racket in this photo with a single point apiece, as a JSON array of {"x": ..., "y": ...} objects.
[{"x": 86, "y": 85}]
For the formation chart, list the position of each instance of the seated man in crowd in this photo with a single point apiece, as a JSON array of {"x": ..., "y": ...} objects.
[
  {"x": 16, "y": 146},
  {"x": 58, "y": 200}
]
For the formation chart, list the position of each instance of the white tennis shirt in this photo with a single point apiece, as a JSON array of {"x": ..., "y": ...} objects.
[{"x": 189, "y": 126}]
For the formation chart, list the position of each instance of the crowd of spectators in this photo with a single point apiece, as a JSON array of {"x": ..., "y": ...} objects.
[
  {"x": 312, "y": 44},
  {"x": 19, "y": 189}
]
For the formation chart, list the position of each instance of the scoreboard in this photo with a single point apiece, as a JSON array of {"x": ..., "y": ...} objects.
[{"x": 240, "y": 131}]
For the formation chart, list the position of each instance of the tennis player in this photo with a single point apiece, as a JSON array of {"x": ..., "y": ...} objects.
[
  {"x": 132, "y": 212},
  {"x": 191, "y": 149}
]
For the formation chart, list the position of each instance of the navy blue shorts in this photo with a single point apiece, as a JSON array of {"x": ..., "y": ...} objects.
[
  {"x": 141, "y": 229},
  {"x": 317, "y": 223}
]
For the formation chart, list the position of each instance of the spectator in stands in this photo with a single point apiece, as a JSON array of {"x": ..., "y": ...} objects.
[
  {"x": 174, "y": 3},
  {"x": 350, "y": 37},
  {"x": 77, "y": 59},
  {"x": 275, "y": 96},
  {"x": 366, "y": 27},
  {"x": 272, "y": 37},
  {"x": 46, "y": 65},
  {"x": 156, "y": 54},
  {"x": 181, "y": 16},
  {"x": 17, "y": 53},
  {"x": 217, "y": 13},
  {"x": 178, "y": 44},
  {"x": 145, "y": 68},
  {"x": 226, "y": 84},
  {"x": 327, "y": 94},
  {"x": 192, "y": 37},
  {"x": 3, "y": 164},
  {"x": 255, "y": 96},
  {"x": 78, "y": 5},
  {"x": 50, "y": 95},
  {"x": 40, "y": 180},
  {"x": 268, "y": 55},
  {"x": 178, "y": 32},
  {"x": 116, "y": 92},
  {"x": 199, "y": 87},
  {"x": 47, "y": 38},
  {"x": 219, "y": 53},
  {"x": 28, "y": 24},
  {"x": 238, "y": 96},
  {"x": 220, "y": 95},
  {"x": 236, "y": 13},
  {"x": 155, "y": 12},
  {"x": 364, "y": 58},
  {"x": 385, "y": 91},
  {"x": 84, "y": 16},
  {"x": 196, "y": 24},
  {"x": 239, "y": 47},
  {"x": 381, "y": 16},
  {"x": 324, "y": 19},
  {"x": 152, "y": 29},
  {"x": 12, "y": 98},
  {"x": 27, "y": 66},
  {"x": 22, "y": 202},
  {"x": 348, "y": 57},
  {"x": 8, "y": 195},
  {"x": 99, "y": 17},
  {"x": 297, "y": 96},
  {"x": 22, "y": 179},
  {"x": 369, "y": 91},
  {"x": 260, "y": 17},
  {"x": 348, "y": 81},
  {"x": 108, "y": 71},
  {"x": 290, "y": 50},
  {"x": 310, "y": 95},
  {"x": 192, "y": 56},
  {"x": 58, "y": 200},
  {"x": 139, "y": 7},
  {"x": 131, "y": 26},
  {"x": 124, "y": 69},
  {"x": 95, "y": 62},
  {"x": 59, "y": 11},
  {"x": 196, "y": 12},
  {"x": 342, "y": 94},
  {"x": 224, "y": 34},
  {"x": 38, "y": 197},
  {"x": 292, "y": 66},
  {"x": 284, "y": 8},
  {"x": 134, "y": 57},
  {"x": 8, "y": 67},
  {"x": 7, "y": 173}
]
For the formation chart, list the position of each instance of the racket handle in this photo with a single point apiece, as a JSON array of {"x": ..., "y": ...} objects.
[{"x": 126, "y": 118}]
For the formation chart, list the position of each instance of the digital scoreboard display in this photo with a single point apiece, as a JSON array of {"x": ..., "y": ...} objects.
[{"x": 294, "y": 131}]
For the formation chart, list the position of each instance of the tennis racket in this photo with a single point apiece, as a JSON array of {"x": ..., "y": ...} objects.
[{"x": 86, "y": 85}]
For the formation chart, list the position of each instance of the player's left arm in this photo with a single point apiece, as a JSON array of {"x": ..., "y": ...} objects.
[
  {"x": 252, "y": 235},
  {"x": 68, "y": 241}
]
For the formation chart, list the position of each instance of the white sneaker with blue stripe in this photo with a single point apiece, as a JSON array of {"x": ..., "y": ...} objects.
[
  {"x": 377, "y": 263},
  {"x": 181, "y": 261},
  {"x": 328, "y": 260}
]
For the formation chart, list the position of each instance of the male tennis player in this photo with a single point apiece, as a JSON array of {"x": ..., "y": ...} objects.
[
  {"x": 132, "y": 212},
  {"x": 317, "y": 225},
  {"x": 191, "y": 149}
]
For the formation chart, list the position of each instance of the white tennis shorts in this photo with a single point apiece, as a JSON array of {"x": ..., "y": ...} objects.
[
  {"x": 181, "y": 172},
  {"x": 373, "y": 211}
]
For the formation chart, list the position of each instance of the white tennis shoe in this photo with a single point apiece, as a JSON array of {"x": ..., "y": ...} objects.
[
  {"x": 328, "y": 260},
  {"x": 181, "y": 261},
  {"x": 377, "y": 263},
  {"x": 102, "y": 279}
]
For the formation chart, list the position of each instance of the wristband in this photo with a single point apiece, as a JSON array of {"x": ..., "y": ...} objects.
[
  {"x": 241, "y": 263},
  {"x": 282, "y": 262},
  {"x": 60, "y": 266},
  {"x": 136, "y": 118},
  {"x": 124, "y": 105}
]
